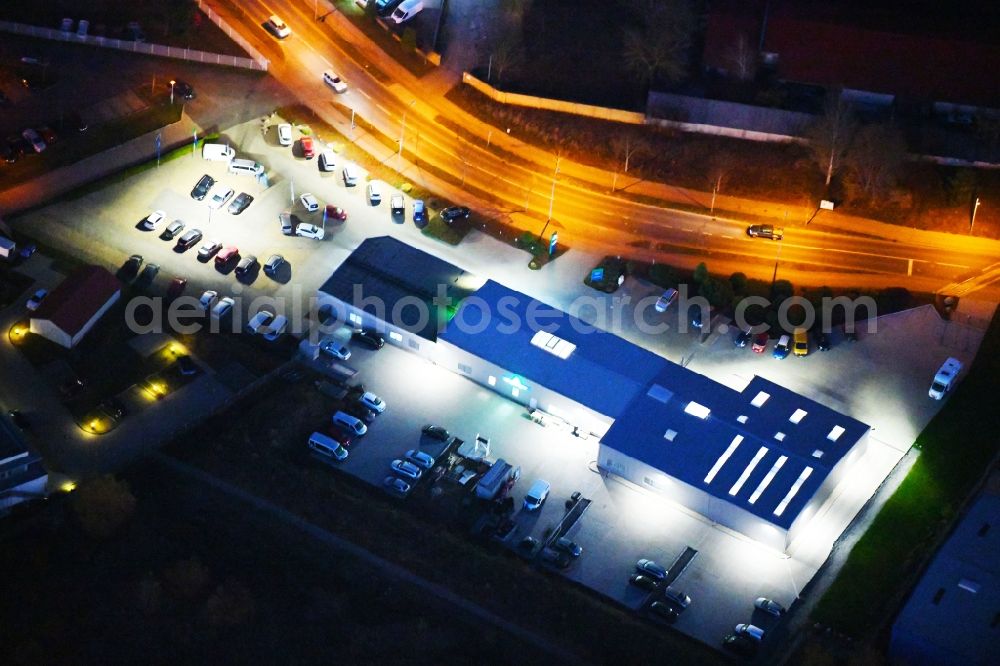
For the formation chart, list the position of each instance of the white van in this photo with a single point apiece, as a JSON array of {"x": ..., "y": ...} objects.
[
  {"x": 374, "y": 193},
  {"x": 217, "y": 152},
  {"x": 326, "y": 448},
  {"x": 350, "y": 423},
  {"x": 246, "y": 167},
  {"x": 406, "y": 10},
  {"x": 350, "y": 175}
]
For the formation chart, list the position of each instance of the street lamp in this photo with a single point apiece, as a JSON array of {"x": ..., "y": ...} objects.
[
  {"x": 402, "y": 130},
  {"x": 172, "y": 82},
  {"x": 552, "y": 195},
  {"x": 974, "y": 209}
]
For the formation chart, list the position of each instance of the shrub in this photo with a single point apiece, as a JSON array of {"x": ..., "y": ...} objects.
[{"x": 103, "y": 505}]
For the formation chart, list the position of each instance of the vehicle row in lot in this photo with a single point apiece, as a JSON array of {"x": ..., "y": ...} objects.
[{"x": 798, "y": 343}]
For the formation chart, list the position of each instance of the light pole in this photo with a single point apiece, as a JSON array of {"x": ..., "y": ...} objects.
[
  {"x": 974, "y": 209},
  {"x": 172, "y": 82},
  {"x": 402, "y": 129},
  {"x": 774, "y": 276},
  {"x": 552, "y": 195}
]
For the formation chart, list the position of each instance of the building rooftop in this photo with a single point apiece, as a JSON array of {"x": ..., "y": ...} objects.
[
  {"x": 390, "y": 274},
  {"x": 588, "y": 365},
  {"x": 78, "y": 298},
  {"x": 765, "y": 449},
  {"x": 953, "y": 615}
]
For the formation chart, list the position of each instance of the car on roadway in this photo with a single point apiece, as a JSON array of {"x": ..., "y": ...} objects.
[
  {"x": 743, "y": 338},
  {"x": 765, "y": 231},
  {"x": 208, "y": 298},
  {"x": 209, "y": 248},
  {"x": 202, "y": 187},
  {"x": 372, "y": 402},
  {"x": 420, "y": 459},
  {"x": 153, "y": 220},
  {"x": 309, "y": 202},
  {"x": 226, "y": 255},
  {"x": 259, "y": 321},
  {"x": 172, "y": 230},
  {"x": 36, "y": 141},
  {"x": 308, "y": 149},
  {"x": 568, "y": 546},
  {"x": 664, "y": 301},
  {"x": 310, "y": 231},
  {"x": 188, "y": 240},
  {"x": 273, "y": 264},
  {"x": 406, "y": 469},
  {"x": 651, "y": 568},
  {"x": 332, "y": 79},
  {"x": 240, "y": 203},
  {"x": 335, "y": 213},
  {"x": 327, "y": 161},
  {"x": 769, "y": 606},
  {"x": 643, "y": 581},
  {"x": 285, "y": 134},
  {"x": 453, "y": 213},
  {"x": 246, "y": 265},
  {"x": 36, "y": 299},
  {"x": 369, "y": 338},
  {"x": 335, "y": 349},
  {"x": 223, "y": 307},
  {"x": 759, "y": 343},
  {"x": 396, "y": 486},
  {"x": 277, "y": 27},
  {"x": 782, "y": 347},
  {"x": 436, "y": 432},
  {"x": 220, "y": 195},
  {"x": 664, "y": 611}
]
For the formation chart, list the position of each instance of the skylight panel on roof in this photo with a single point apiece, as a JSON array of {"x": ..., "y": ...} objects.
[
  {"x": 723, "y": 458},
  {"x": 780, "y": 436},
  {"x": 553, "y": 344},
  {"x": 793, "y": 491},
  {"x": 760, "y": 399},
  {"x": 835, "y": 433},
  {"x": 798, "y": 415},
  {"x": 694, "y": 409},
  {"x": 669, "y": 435},
  {"x": 761, "y": 452},
  {"x": 766, "y": 481},
  {"x": 742, "y": 418},
  {"x": 660, "y": 393}
]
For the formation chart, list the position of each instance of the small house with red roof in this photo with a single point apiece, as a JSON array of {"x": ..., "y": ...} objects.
[{"x": 73, "y": 307}]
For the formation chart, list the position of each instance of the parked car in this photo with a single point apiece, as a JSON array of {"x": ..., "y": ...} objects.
[
  {"x": 406, "y": 469},
  {"x": 226, "y": 255},
  {"x": 202, "y": 187},
  {"x": 651, "y": 568},
  {"x": 664, "y": 611},
  {"x": 113, "y": 409},
  {"x": 335, "y": 213},
  {"x": 568, "y": 546},
  {"x": 308, "y": 150},
  {"x": 749, "y": 630},
  {"x": 822, "y": 341},
  {"x": 32, "y": 137},
  {"x": 184, "y": 90},
  {"x": 273, "y": 264},
  {"x": 48, "y": 135},
  {"x": 769, "y": 606},
  {"x": 664, "y": 301},
  {"x": 643, "y": 581},
  {"x": 309, "y": 231},
  {"x": 361, "y": 413},
  {"x": 223, "y": 307},
  {"x": 536, "y": 495},
  {"x": 335, "y": 349},
  {"x": 220, "y": 195},
  {"x": 188, "y": 239},
  {"x": 71, "y": 387},
  {"x": 801, "y": 344},
  {"x": 527, "y": 544},
  {"x": 148, "y": 274},
  {"x": 741, "y": 645},
  {"x": 436, "y": 432},
  {"x": 287, "y": 222},
  {"x": 759, "y": 343},
  {"x": 677, "y": 597},
  {"x": 154, "y": 220},
  {"x": 419, "y": 212},
  {"x": 186, "y": 366},
  {"x": 699, "y": 317},
  {"x": 453, "y": 213},
  {"x": 285, "y": 134},
  {"x": 781, "y": 348},
  {"x": 130, "y": 269},
  {"x": 374, "y": 193},
  {"x": 396, "y": 485},
  {"x": 372, "y": 402},
  {"x": 420, "y": 459},
  {"x": 176, "y": 288},
  {"x": 172, "y": 230},
  {"x": 327, "y": 161},
  {"x": 240, "y": 203},
  {"x": 36, "y": 299},
  {"x": 277, "y": 27},
  {"x": 743, "y": 338},
  {"x": 208, "y": 298},
  {"x": 309, "y": 202},
  {"x": 557, "y": 558},
  {"x": 246, "y": 265},
  {"x": 259, "y": 321},
  {"x": 276, "y": 328},
  {"x": 209, "y": 248},
  {"x": 369, "y": 338}
]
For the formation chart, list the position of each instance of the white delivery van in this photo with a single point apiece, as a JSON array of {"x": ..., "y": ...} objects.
[
  {"x": 7, "y": 248},
  {"x": 246, "y": 167},
  {"x": 326, "y": 448},
  {"x": 217, "y": 152},
  {"x": 350, "y": 175},
  {"x": 350, "y": 423},
  {"x": 945, "y": 378},
  {"x": 406, "y": 10}
]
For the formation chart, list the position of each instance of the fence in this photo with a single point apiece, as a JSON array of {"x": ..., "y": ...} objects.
[
  {"x": 256, "y": 55},
  {"x": 138, "y": 47}
]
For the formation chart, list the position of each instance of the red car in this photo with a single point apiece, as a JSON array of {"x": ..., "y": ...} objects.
[
  {"x": 308, "y": 151},
  {"x": 226, "y": 255},
  {"x": 759, "y": 343},
  {"x": 176, "y": 288},
  {"x": 340, "y": 435},
  {"x": 336, "y": 213}
]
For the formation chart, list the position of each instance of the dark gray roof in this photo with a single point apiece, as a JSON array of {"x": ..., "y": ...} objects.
[{"x": 384, "y": 275}]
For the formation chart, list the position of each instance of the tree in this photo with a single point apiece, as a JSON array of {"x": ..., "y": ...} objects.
[
  {"x": 700, "y": 273},
  {"x": 507, "y": 55},
  {"x": 744, "y": 59},
  {"x": 717, "y": 292},
  {"x": 186, "y": 579},
  {"x": 103, "y": 505},
  {"x": 626, "y": 147},
  {"x": 230, "y": 605},
  {"x": 875, "y": 158},
  {"x": 663, "y": 275},
  {"x": 830, "y": 136},
  {"x": 738, "y": 281},
  {"x": 659, "y": 49}
]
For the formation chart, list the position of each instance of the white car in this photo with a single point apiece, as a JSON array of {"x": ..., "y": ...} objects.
[
  {"x": 327, "y": 161},
  {"x": 210, "y": 247},
  {"x": 259, "y": 321},
  {"x": 333, "y": 80},
  {"x": 664, "y": 301},
  {"x": 406, "y": 468},
  {"x": 277, "y": 27},
  {"x": 276, "y": 329},
  {"x": 374, "y": 193},
  {"x": 153, "y": 220},
  {"x": 309, "y": 202},
  {"x": 372, "y": 402},
  {"x": 36, "y": 299},
  {"x": 420, "y": 458},
  {"x": 208, "y": 299},
  {"x": 219, "y": 195},
  {"x": 335, "y": 349},
  {"x": 223, "y": 307},
  {"x": 285, "y": 134},
  {"x": 309, "y": 231}
]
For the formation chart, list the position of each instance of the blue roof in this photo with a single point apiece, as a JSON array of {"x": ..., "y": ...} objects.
[
  {"x": 751, "y": 456},
  {"x": 944, "y": 621},
  {"x": 603, "y": 373}
]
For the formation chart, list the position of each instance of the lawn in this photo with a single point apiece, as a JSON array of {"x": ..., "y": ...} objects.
[{"x": 956, "y": 449}]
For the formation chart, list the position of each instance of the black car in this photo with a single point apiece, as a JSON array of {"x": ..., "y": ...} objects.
[
  {"x": 19, "y": 419},
  {"x": 131, "y": 267},
  {"x": 528, "y": 544},
  {"x": 186, "y": 366},
  {"x": 743, "y": 338},
  {"x": 556, "y": 558},
  {"x": 148, "y": 274},
  {"x": 453, "y": 213},
  {"x": 247, "y": 264},
  {"x": 8, "y": 155},
  {"x": 663, "y": 610},
  {"x": 369, "y": 338},
  {"x": 740, "y": 644},
  {"x": 21, "y": 146},
  {"x": 201, "y": 189},
  {"x": 184, "y": 90},
  {"x": 644, "y": 582},
  {"x": 71, "y": 387},
  {"x": 436, "y": 432},
  {"x": 360, "y": 411},
  {"x": 823, "y": 341},
  {"x": 113, "y": 408},
  {"x": 240, "y": 203}
]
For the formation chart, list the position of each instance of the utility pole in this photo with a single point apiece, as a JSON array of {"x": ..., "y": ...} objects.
[
  {"x": 402, "y": 129},
  {"x": 552, "y": 195},
  {"x": 974, "y": 209}
]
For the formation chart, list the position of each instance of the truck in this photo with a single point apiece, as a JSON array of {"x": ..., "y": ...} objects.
[
  {"x": 8, "y": 248},
  {"x": 945, "y": 378},
  {"x": 499, "y": 477},
  {"x": 476, "y": 449}
]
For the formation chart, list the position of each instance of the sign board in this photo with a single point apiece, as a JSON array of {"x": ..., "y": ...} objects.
[
  {"x": 826, "y": 204},
  {"x": 552, "y": 243}
]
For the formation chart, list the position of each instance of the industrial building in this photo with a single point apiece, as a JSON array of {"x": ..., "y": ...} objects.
[{"x": 72, "y": 309}]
